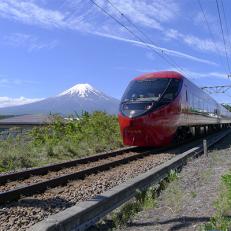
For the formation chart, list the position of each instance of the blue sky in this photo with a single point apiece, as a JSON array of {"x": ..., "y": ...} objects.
[{"x": 48, "y": 46}]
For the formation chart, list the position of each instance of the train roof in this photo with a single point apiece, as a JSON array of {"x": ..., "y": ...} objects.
[{"x": 160, "y": 74}]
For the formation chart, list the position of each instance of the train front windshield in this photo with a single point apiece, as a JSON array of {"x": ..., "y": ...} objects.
[
  {"x": 144, "y": 95},
  {"x": 145, "y": 90}
]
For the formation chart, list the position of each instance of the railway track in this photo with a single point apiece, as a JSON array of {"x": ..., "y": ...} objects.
[
  {"x": 87, "y": 213},
  {"x": 51, "y": 191},
  {"x": 29, "y": 182},
  {"x": 55, "y": 167},
  {"x": 36, "y": 180},
  {"x": 19, "y": 212}
]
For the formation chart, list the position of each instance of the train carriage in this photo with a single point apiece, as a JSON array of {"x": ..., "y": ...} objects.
[{"x": 159, "y": 107}]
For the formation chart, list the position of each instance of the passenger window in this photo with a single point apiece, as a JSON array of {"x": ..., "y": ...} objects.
[
  {"x": 170, "y": 93},
  {"x": 172, "y": 90}
]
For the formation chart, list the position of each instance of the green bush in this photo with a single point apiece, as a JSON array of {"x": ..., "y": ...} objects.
[{"x": 61, "y": 140}]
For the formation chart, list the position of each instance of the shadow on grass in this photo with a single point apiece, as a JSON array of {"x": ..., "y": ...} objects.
[{"x": 177, "y": 224}]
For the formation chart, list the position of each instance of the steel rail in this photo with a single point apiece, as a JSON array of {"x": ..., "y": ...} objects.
[
  {"x": 35, "y": 188},
  {"x": 20, "y": 175},
  {"x": 85, "y": 214}
]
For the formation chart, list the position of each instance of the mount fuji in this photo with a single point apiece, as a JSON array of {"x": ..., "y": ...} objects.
[{"x": 79, "y": 98}]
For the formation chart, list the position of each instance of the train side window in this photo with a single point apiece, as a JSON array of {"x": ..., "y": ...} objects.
[
  {"x": 172, "y": 91},
  {"x": 186, "y": 96}
]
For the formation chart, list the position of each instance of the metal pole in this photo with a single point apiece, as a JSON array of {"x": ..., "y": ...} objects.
[{"x": 205, "y": 147}]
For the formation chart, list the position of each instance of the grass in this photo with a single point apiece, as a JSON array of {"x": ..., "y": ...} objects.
[
  {"x": 59, "y": 141},
  {"x": 205, "y": 175},
  {"x": 143, "y": 200},
  {"x": 221, "y": 220},
  {"x": 193, "y": 194},
  {"x": 173, "y": 197}
]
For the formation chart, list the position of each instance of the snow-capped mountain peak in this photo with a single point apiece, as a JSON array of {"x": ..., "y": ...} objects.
[
  {"x": 82, "y": 90},
  {"x": 77, "y": 99}
]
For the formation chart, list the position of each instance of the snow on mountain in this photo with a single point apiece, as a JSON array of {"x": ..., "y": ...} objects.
[
  {"x": 82, "y": 90},
  {"x": 79, "y": 98}
]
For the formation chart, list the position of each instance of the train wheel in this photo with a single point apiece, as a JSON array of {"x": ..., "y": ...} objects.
[{"x": 182, "y": 134}]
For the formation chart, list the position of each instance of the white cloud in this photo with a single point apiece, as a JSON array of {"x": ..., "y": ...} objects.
[
  {"x": 199, "y": 21},
  {"x": 30, "y": 13},
  {"x": 195, "y": 42},
  {"x": 203, "y": 44},
  {"x": 193, "y": 75},
  {"x": 198, "y": 75},
  {"x": 6, "y": 82},
  {"x": 172, "y": 33},
  {"x": 167, "y": 51},
  {"x": 7, "y": 102},
  {"x": 85, "y": 17},
  {"x": 154, "y": 15},
  {"x": 146, "y": 13},
  {"x": 28, "y": 41}
]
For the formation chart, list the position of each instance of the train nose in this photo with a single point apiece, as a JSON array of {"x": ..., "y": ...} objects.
[
  {"x": 133, "y": 132},
  {"x": 139, "y": 132},
  {"x": 137, "y": 137}
]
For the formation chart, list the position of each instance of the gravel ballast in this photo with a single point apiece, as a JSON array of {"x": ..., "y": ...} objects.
[
  {"x": 24, "y": 213},
  {"x": 53, "y": 174}
]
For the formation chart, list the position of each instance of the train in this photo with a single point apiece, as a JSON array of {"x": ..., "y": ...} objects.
[{"x": 160, "y": 108}]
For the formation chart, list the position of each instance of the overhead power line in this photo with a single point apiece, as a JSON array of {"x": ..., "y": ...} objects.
[
  {"x": 226, "y": 24},
  {"x": 208, "y": 27},
  {"x": 142, "y": 32},
  {"x": 223, "y": 37},
  {"x": 217, "y": 89},
  {"x": 160, "y": 54}
]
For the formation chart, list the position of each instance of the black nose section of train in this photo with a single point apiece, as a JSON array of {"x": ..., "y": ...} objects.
[{"x": 135, "y": 109}]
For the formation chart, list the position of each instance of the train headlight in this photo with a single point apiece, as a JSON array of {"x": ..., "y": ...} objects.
[
  {"x": 148, "y": 107},
  {"x": 132, "y": 113}
]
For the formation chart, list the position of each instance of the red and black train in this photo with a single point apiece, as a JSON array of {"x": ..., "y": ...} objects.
[{"x": 159, "y": 108}]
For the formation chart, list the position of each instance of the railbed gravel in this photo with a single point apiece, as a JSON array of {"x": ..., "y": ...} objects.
[
  {"x": 52, "y": 174},
  {"x": 22, "y": 214}
]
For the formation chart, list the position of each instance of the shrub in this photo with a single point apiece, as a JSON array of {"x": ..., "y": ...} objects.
[{"x": 61, "y": 140}]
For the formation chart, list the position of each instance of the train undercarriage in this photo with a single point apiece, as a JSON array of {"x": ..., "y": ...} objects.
[{"x": 185, "y": 132}]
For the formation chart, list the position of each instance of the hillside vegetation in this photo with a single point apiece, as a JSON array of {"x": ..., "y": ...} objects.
[{"x": 78, "y": 137}]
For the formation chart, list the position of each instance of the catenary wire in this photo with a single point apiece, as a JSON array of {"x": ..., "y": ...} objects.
[
  {"x": 223, "y": 37},
  {"x": 226, "y": 24},
  {"x": 209, "y": 28},
  {"x": 142, "y": 32},
  {"x": 136, "y": 36}
]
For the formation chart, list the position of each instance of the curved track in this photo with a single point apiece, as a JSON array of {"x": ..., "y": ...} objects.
[
  {"x": 55, "y": 167},
  {"x": 96, "y": 178},
  {"x": 33, "y": 181},
  {"x": 84, "y": 214}
]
